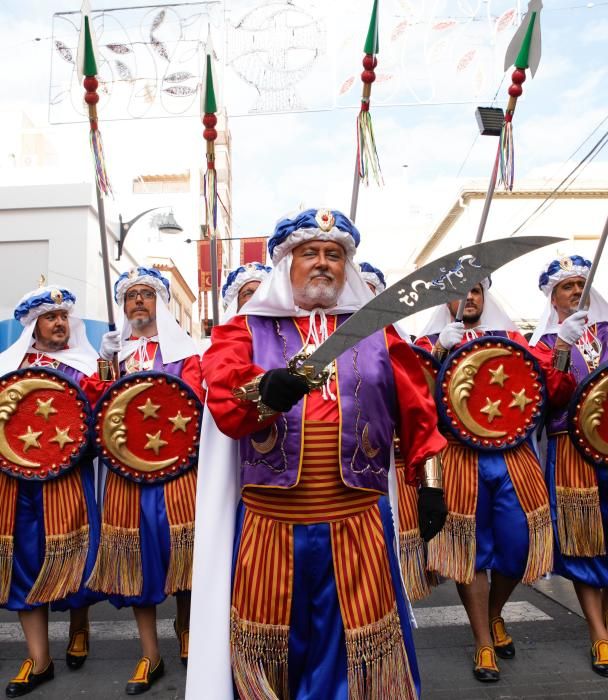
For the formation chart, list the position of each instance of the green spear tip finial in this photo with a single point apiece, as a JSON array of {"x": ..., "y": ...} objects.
[
  {"x": 210, "y": 102},
  {"x": 523, "y": 57},
  {"x": 89, "y": 64},
  {"x": 372, "y": 44}
]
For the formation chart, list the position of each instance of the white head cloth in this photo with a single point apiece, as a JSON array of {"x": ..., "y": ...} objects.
[
  {"x": 79, "y": 354},
  {"x": 251, "y": 272},
  {"x": 548, "y": 321},
  {"x": 175, "y": 343},
  {"x": 493, "y": 317},
  {"x": 274, "y": 297}
]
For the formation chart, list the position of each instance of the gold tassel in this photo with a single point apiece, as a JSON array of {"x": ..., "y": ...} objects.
[
  {"x": 540, "y": 552},
  {"x": 417, "y": 579},
  {"x": 377, "y": 664},
  {"x": 6, "y": 566},
  {"x": 117, "y": 569},
  {"x": 179, "y": 573},
  {"x": 61, "y": 573},
  {"x": 259, "y": 659},
  {"x": 579, "y": 522},
  {"x": 452, "y": 552}
]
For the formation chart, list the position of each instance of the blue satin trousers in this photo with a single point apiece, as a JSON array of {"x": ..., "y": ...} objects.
[{"x": 317, "y": 647}]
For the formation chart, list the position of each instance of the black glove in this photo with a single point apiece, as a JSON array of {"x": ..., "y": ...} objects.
[
  {"x": 432, "y": 512},
  {"x": 281, "y": 390}
]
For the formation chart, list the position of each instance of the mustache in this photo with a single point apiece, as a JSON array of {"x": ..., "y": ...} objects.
[{"x": 327, "y": 275}]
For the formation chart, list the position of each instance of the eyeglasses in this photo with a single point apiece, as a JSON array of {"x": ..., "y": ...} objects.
[{"x": 145, "y": 294}]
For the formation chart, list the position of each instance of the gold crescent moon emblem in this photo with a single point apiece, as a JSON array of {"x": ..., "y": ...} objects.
[
  {"x": 591, "y": 414},
  {"x": 368, "y": 448},
  {"x": 461, "y": 387},
  {"x": 265, "y": 446},
  {"x": 114, "y": 431},
  {"x": 9, "y": 402}
]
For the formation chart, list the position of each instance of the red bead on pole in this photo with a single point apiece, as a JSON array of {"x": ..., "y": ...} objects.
[
  {"x": 210, "y": 120},
  {"x": 515, "y": 90},
  {"x": 91, "y": 98},
  {"x": 369, "y": 62},
  {"x": 518, "y": 76},
  {"x": 90, "y": 83}
]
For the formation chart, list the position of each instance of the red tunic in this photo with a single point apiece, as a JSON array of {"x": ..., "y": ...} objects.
[
  {"x": 228, "y": 364},
  {"x": 559, "y": 385}
]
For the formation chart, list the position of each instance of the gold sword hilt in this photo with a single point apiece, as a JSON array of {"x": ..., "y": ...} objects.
[{"x": 296, "y": 366}]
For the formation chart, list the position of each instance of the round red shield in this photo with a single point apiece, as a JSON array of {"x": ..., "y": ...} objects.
[
  {"x": 44, "y": 423},
  {"x": 430, "y": 366},
  {"x": 588, "y": 417},
  {"x": 490, "y": 394},
  {"x": 147, "y": 427}
]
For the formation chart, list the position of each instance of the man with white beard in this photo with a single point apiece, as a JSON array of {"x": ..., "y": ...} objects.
[{"x": 314, "y": 525}]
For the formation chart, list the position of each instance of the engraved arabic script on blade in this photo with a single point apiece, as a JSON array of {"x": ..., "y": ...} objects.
[{"x": 440, "y": 282}]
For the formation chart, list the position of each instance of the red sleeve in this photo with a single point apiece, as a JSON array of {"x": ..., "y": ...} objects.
[
  {"x": 559, "y": 385},
  {"x": 424, "y": 342},
  {"x": 227, "y": 364},
  {"x": 193, "y": 376},
  {"x": 416, "y": 412},
  {"x": 93, "y": 387}
]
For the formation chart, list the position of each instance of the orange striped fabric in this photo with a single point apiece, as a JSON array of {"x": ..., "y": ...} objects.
[
  {"x": 527, "y": 478},
  {"x": 363, "y": 577},
  {"x": 66, "y": 539},
  {"x": 65, "y": 507},
  {"x": 571, "y": 470},
  {"x": 8, "y": 506},
  {"x": 408, "y": 502},
  {"x": 320, "y": 494},
  {"x": 459, "y": 477},
  {"x": 579, "y": 516},
  {"x": 529, "y": 484},
  {"x": 121, "y": 502},
  {"x": 8, "y": 501},
  {"x": 262, "y": 589},
  {"x": 117, "y": 568},
  {"x": 180, "y": 498}
]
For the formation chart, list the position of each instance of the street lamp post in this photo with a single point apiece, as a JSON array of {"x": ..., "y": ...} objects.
[{"x": 169, "y": 226}]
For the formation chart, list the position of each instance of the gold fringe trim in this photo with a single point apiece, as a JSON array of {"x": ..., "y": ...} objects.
[
  {"x": 179, "y": 573},
  {"x": 61, "y": 573},
  {"x": 6, "y": 566},
  {"x": 540, "y": 552},
  {"x": 117, "y": 569},
  {"x": 259, "y": 658},
  {"x": 452, "y": 552},
  {"x": 412, "y": 555},
  {"x": 377, "y": 664},
  {"x": 579, "y": 522}
]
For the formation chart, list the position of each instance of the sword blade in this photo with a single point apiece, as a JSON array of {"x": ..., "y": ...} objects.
[{"x": 447, "y": 278}]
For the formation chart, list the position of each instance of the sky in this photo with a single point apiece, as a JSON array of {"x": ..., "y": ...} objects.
[{"x": 281, "y": 162}]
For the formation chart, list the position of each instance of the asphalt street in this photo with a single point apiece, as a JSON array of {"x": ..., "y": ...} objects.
[{"x": 552, "y": 660}]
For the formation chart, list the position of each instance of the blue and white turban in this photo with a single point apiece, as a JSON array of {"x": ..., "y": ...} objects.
[
  {"x": 175, "y": 343},
  {"x": 141, "y": 275},
  {"x": 555, "y": 272},
  {"x": 253, "y": 271},
  {"x": 313, "y": 224},
  {"x": 563, "y": 268},
  {"x": 79, "y": 354},
  {"x": 372, "y": 275},
  {"x": 41, "y": 301}
]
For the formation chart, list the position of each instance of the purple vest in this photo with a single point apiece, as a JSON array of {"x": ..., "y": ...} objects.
[
  {"x": 366, "y": 400},
  {"x": 557, "y": 422}
]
